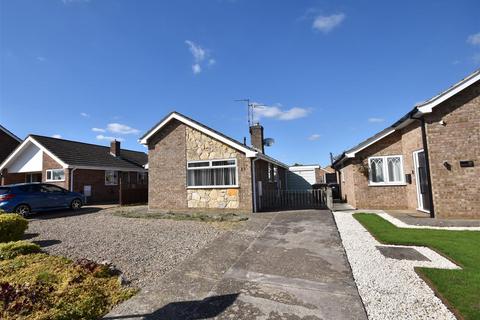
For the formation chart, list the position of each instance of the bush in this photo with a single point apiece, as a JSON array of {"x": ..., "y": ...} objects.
[
  {"x": 12, "y": 227},
  {"x": 12, "y": 249}
]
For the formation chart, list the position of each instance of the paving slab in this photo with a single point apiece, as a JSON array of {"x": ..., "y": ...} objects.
[{"x": 286, "y": 265}]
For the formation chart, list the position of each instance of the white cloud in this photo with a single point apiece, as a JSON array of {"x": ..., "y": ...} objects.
[
  {"x": 474, "y": 39},
  {"x": 326, "y": 24},
  {"x": 314, "y": 137},
  {"x": 200, "y": 55},
  {"x": 85, "y": 115},
  {"x": 376, "y": 120},
  {"x": 277, "y": 113},
  {"x": 102, "y": 137},
  {"x": 196, "y": 68},
  {"x": 121, "y": 129},
  {"x": 98, "y": 130},
  {"x": 57, "y": 136}
]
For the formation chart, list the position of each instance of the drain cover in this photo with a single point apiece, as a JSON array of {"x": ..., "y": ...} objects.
[{"x": 400, "y": 253}]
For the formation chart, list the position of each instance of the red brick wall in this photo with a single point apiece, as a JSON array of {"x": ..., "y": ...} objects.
[
  {"x": 7, "y": 145},
  {"x": 456, "y": 192},
  {"x": 356, "y": 190},
  {"x": 95, "y": 179},
  {"x": 49, "y": 163}
]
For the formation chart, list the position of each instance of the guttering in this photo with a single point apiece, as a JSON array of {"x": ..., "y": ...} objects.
[{"x": 71, "y": 178}]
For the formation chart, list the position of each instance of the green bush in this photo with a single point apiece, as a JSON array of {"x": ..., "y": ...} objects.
[
  {"x": 12, "y": 249},
  {"x": 12, "y": 227}
]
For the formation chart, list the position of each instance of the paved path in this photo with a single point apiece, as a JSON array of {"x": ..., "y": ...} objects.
[{"x": 288, "y": 265}]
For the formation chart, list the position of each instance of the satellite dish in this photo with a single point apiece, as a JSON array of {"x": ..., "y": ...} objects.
[{"x": 268, "y": 142}]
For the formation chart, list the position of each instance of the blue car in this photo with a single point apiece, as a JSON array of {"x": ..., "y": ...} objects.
[{"x": 25, "y": 198}]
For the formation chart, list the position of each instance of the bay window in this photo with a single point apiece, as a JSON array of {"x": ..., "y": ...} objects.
[
  {"x": 212, "y": 173},
  {"x": 386, "y": 170}
]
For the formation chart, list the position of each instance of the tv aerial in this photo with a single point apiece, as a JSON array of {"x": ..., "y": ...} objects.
[{"x": 250, "y": 110}]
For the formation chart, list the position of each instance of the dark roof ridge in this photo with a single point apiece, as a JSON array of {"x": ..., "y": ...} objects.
[{"x": 74, "y": 141}]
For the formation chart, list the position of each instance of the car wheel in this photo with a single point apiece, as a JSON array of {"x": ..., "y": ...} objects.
[
  {"x": 76, "y": 204},
  {"x": 23, "y": 210}
]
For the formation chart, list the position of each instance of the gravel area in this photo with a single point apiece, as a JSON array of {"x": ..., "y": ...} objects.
[
  {"x": 143, "y": 249},
  {"x": 390, "y": 288},
  {"x": 429, "y": 223}
]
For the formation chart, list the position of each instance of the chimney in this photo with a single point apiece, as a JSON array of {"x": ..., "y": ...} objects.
[
  {"x": 115, "y": 148},
  {"x": 256, "y": 137}
]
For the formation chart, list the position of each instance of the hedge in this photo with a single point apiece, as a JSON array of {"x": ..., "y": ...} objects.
[
  {"x": 12, "y": 227},
  {"x": 10, "y": 250}
]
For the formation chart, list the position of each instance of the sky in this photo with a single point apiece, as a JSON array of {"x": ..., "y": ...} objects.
[{"x": 324, "y": 74}]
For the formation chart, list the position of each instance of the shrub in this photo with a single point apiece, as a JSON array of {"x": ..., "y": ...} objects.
[
  {"x": 12, "y": 227},
  {"x": 12, "y": 249}
]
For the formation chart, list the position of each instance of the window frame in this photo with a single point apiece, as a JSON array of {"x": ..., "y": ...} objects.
[
  {"x": 386, "y": 177},
  {"x": 210, "y": 166},
  {"x": 51, "y": 175},
  {"x": 115, "y": 173},
  {"x": 142, "y": 178}
]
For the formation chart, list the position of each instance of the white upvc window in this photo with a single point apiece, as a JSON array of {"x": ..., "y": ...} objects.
[
  {"x": 111, "y": 178},
  {"x": 55, "y": 175},
  {"x": 212, "y": 173},
  {"x": 386, "y": 170}
]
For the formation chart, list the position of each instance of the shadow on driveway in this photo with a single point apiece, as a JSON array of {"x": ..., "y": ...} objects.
[
  {"x": 55, "y": 214},
  {"x": 192, "y": 310}
]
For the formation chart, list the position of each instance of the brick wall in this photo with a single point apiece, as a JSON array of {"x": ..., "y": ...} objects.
[
  {"x": 167, "y": 187},
  {"x": 101, "y": 193},
  {"x": 456, "y": 192},
  {"x": 356, "y": 190},
  {"x": 49, "y": 163},
  {"x": 167, "y": 172},
  {"x": 7, "y": 145}
]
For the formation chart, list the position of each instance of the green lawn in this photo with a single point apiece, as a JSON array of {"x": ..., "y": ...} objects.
[{"x": 461, "y": 288}]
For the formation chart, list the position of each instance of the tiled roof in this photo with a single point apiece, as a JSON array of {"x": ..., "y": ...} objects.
[{"x": 76, "y": 153}]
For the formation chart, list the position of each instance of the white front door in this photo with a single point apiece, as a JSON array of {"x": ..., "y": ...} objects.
[{"x": 423, "y": 192}]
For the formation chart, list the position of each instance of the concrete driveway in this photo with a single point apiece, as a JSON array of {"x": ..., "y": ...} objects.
[{"x": 286, "y": 265}]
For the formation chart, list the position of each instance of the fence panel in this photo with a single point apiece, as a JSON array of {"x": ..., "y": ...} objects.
[
  {"x": 133, "y": 196},
  {"x": 274, "y": 200}
]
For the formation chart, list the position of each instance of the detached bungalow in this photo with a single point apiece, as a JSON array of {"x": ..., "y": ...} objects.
[
  {"x": 427, "y": 161},
  {"x": 90, "y": 169},
  {"x": 192, "y": 166},
  {"x": 8, "y": 143}
]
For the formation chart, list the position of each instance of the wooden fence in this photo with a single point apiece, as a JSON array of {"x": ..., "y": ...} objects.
[
  {"x": 275, "y": 200},
  {"x": 133, "y": 196}
]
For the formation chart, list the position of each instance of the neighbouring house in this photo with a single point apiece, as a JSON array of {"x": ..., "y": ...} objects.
[
  {"x": 428, "y": 160},
  {"x": 8, "y": 143},
  {"x": 192, "y": 167},
  {"x": 305, "y": 177},
  {"x": 94, "y": 170}
]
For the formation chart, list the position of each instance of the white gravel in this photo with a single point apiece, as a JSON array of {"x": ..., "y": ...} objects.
[
  {"x": 400, "y": 224},
  {"x": 390, "y": 288},
  {"x": 143, "y": 249}
]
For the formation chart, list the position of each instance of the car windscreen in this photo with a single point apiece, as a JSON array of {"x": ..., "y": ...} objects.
[{"x": 4, "y": 190}]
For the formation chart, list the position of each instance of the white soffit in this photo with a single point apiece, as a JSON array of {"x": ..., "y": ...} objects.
[
  {"x": 427, "y": 106},
  {"x": 29, "y": 141}
]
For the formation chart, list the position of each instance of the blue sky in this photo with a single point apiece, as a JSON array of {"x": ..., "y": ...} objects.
[{"x": 331, "y": 73}]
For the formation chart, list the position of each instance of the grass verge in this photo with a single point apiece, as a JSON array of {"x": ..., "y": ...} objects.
[
  {"x": 460, "y": 288},
  {"x": 197, "y": 216},
  {"x": 39, "y": 286}
]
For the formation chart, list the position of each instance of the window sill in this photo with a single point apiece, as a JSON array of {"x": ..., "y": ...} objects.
[
  {"x": 55, "y": 180},
  {"x": 400, "y": 184},
  {"x": 213, "y": 187},
  {"x": 111, "y": 185}
]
